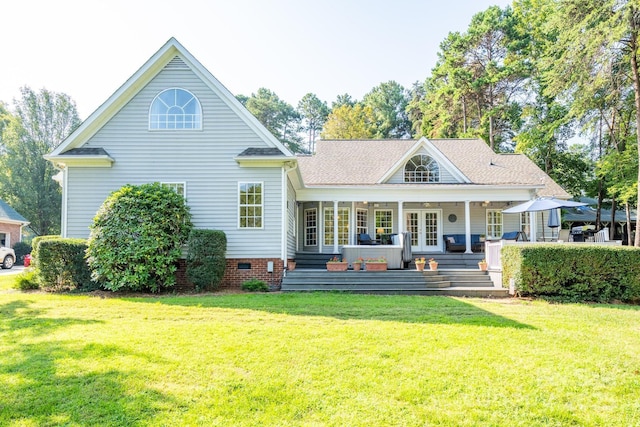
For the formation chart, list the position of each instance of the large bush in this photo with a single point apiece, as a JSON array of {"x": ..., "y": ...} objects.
[
  {"x": 206, "y": 261},
  {"x": 62, "y": 265},
  {"x": 35, "y": 246},
  {"x": 568, "y": 272},
  {"x": 136, "y": 238}
]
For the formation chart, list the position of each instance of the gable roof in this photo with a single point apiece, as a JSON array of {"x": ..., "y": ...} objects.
[
  {"x": 367, "y": 162},
  {"x": 8, "y": 214},
  {"x": 138, "y": 81}
]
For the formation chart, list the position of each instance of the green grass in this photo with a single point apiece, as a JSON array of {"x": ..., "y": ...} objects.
[{"x": 315, "y": 360}]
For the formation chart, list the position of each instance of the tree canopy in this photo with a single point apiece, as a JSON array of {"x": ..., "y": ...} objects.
[{"x": 40, "y": 121}]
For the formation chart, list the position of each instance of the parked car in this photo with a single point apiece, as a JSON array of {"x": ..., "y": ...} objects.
[{"x": 7, "y": 257}]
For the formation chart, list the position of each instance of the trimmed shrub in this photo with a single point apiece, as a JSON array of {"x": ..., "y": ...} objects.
[
  {"x": 21, "y": 249},
  {"x": 35, "y": 243},
  {"x": 206, "y": 260},
  {"x": 62, "y": 265},
  {"x": 26, "y": 281},
  {"x": 136, "y": 238},
  {"x": 573, "y": 273},
  {"x": 255, "y": 285}
]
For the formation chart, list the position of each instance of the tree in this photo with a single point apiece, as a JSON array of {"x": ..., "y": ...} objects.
[
  {"x": 474, "y": 88},
  {"x": 41, "y": 121},
  {"x": 344, "y": 99},
  {"x": 137, "y": 236},
  {"x": 314, "y": 114},
  {"x": 350, "y": 122},
  {"x": 279, "y": 117},
  {"x": 595, "y": 37},
  {"x": 388, "y": 101}
]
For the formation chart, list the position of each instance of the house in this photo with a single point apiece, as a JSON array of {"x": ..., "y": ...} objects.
[
  {"x": 173, "y": 122},
  {"x": 11, "y": 223}
]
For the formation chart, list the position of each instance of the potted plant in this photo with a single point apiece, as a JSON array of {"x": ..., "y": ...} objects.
[
  {"x": 483, "y": 265},
  {"x": 376, "y": 264},
  {"x": 420, "y": 262},
  {"x": 433, "y": 264},
  {"x": 337, "y": 264},
  {"x": 357, "y": 264},
  {"x": 291, "y": 264}
]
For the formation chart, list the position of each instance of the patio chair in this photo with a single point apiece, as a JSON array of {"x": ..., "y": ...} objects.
[{"x": 365, "y": 239}]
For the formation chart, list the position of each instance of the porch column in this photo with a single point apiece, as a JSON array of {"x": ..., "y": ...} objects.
[
  {"x": 401, "y": 223},
  {"x": 533, "y": 226},
  {"x": 335, "y": 226},
  {"x": 320, "y": 225},
  {"x": 352, "y": 224},
  {"x": 467, "y": 226}
]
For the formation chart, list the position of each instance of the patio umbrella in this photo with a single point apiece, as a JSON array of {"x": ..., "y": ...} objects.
[
  {"x": 554, "y": 221},
  {"x": 544, "y": 204}
]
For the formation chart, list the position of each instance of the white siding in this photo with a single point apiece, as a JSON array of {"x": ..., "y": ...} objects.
[
  {"x": 203, "y": 159},
  {"x": 292, "y": 223}
]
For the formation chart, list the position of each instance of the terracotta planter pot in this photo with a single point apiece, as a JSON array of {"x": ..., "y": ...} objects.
[
  {"x": 357, "y": 266},
  {"x": 420, "y": 266},
  {"x": 376, "y": 266},
  {"x": 291, "y": 265},
  {"x": 433, "y": 265},
  {"x": 483, "y": 266},
  {"x": 337, "y": 266}
]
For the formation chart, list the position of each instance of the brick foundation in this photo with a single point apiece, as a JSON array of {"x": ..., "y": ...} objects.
[{"x": 235, "y": 276}]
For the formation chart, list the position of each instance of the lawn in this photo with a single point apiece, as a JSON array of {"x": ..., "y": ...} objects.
[{"x": 318, "y": 359}]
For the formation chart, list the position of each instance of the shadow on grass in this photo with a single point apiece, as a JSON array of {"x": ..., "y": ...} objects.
[
  {"x": 344, "y": 306},
  {"x": 49, "y": 382}
]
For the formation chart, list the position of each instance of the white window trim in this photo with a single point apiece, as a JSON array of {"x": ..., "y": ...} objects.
[
  {"x": 486, "y": 217},
  {"x": 306, "y": 227},
  {"x": 366, "y": 225},
  {"x": 170, "y": 184},
  {"x": 201, "y": 118},
  {"x": 375, "y": 226},
  {"x": 240, "y": 184},
  {"x": 330, "y": 225}
]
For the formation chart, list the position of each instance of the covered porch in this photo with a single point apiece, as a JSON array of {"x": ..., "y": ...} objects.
[{"x": 435, "y": 227}]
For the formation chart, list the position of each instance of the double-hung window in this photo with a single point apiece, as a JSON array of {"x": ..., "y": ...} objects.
[
  {"x": 494, "y": 223},
  {"x": 250, "y": 205},
  {"x": 179, "y": 187}
]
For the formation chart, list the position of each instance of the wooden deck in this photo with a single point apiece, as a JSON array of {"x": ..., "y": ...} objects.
[{"x": 457, "y": 275}]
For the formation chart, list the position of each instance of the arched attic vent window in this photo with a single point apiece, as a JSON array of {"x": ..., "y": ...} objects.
[
  {"x": 421, "y": 168},
  {"x": 175, "y": 108}
]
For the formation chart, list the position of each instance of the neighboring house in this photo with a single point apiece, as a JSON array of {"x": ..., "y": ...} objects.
[
  {"x": 11, "y": 223},
  {"x": 173, "y": 122}
]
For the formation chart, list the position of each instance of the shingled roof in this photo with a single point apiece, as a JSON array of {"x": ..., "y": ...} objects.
[
  {"x": 8, "y": 213},
  {"x": 365, "y": 162}
]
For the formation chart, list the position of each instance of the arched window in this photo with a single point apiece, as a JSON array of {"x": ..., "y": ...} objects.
[
  {"x": 175, "y": 109},
  {"x": 421, "y": 168}
]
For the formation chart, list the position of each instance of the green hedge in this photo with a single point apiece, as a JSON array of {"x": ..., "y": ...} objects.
[
  {"x": 62, "y": 266},
  {"x": 35, "y": 246},
  {"x": 206, "y": 258},
  {"x": 573, "y": 273}
]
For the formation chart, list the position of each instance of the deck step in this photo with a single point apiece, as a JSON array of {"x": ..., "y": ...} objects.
[{"x": 453, "y": 282}]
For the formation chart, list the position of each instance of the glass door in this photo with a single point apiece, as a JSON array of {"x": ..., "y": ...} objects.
[{"x": 425, "y": 227}]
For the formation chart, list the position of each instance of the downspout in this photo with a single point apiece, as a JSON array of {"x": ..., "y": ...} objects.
[{"x": 285, "y": 212}]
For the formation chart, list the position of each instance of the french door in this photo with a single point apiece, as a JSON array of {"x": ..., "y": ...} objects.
[{"x": 425, "y": 226}]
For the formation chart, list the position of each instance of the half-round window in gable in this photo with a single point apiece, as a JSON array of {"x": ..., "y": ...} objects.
[
  {"x": 421, "y": 168},
  {"x": 175, "y": 109}
]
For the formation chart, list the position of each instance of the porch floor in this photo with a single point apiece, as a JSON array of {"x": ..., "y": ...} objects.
[{"x": 449, "y": 260}]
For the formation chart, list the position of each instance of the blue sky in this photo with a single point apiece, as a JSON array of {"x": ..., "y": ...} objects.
[{"x": 88, "y": 48}]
